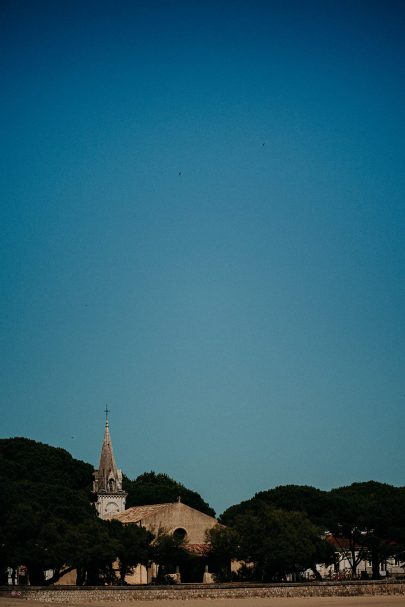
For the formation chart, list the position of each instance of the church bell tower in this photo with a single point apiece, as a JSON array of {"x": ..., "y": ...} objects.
[{"x": 107, "y": 484}]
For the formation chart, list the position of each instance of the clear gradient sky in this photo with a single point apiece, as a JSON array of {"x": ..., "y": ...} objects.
[{"x": 203, "y": 213}]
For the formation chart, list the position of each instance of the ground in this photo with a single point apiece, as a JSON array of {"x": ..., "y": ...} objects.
[{"x": 352, "y": 601}]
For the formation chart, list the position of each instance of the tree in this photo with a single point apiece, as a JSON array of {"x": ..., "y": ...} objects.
[
  {"x": 23, "y": 459},
  {"x": 224, "y": 546},
  {"x": 36, "y": 540},
  {"x": 168, "y": 552},
  {"x": 45, "y": 496},
  {"x": 279, "y": 542},
  {"x": 275, "y": 542},
  {"x": 316, "y": 504},
  {"x": 372, "y": 517},
  {"x": 366, "y": 520},
  {"x": 133, "y": 546},
  {"x": 153, "y": 488},
  {"x": 92, "y": 552}
]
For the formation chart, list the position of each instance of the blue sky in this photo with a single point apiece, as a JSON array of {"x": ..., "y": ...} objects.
[{"x": 203, "y": 226}]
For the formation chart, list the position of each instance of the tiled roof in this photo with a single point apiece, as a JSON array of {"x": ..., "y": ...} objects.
[
  {"x": 341, "y": 543},
  {"x": 139, "y": 513},
  {"x": 198, "y": 548}
]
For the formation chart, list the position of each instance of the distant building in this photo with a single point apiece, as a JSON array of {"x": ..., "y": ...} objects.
[
  {"x": 176, "y": 518},
  {"x": 341, "y": 568}
]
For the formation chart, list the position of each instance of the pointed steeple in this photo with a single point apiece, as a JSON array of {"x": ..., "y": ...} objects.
[
  {"x": 107, "y": 482},
  {"x": 107, "y": 468}
]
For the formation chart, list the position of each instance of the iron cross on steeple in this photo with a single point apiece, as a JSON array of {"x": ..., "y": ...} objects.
[{"x": 106, "y": 411}]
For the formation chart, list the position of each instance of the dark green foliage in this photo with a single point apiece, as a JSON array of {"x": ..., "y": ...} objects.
[
  {"x": 375, "y": 505},
  {"x": 224, "y": 542},
  {"x": 316, "y": 504},
  {"x": 25, "y": 459},
  {"x": 368, "y": 518},
  {"x": 153, "y": 488},
  {"x": 92, "y": 551},
  {"x": 275, "y": 542},
  {"x": 372, "y": 516},
  {"x": 168, "y": 552},
  {"x": 44, "y": 498},
  {"x": 134, "y": 546},
  {"x": 313, "y": 502},
  {"x": 47, "y": 520}
]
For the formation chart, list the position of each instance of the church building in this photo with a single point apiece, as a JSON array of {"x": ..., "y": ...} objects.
[{"x": 175, "y": 518}]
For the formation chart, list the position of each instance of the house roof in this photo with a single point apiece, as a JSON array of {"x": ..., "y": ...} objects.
[
  {"x": 341, "y": 543},
  {"x": 137, "y": 514}
]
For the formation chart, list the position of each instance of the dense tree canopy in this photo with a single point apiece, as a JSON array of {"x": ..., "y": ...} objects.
[
  {"x": 47, "y": 522},
  {"x": 372, "y": 516},
  {"x": 153, "y": 488},
  {"x": 45, "y": 496},
  {"x": 25, "y": 459},
  {"x": 369, "y": 517},
  {"x": 133, "y": 547},
  {"x": 316, "y": 504},
  {"x": 278, "y": 542},
  {"x": 273, "y": 541}
]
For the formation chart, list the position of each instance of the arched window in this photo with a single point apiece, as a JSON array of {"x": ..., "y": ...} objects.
[{"x": 111, "y": 484}]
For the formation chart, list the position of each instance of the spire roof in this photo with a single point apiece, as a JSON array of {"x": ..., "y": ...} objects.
[
  {"x": 108, "y": 478},
  {"x": 107, "y": 465}
]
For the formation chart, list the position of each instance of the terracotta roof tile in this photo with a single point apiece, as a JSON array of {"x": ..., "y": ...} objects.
[
  {"x": 139, "y": 513},
  {"x": 198, "y": 548},
  {"x": 341, "y": 543}
]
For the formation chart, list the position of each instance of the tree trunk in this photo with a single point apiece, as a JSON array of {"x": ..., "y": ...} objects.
[
  {"x": 123, "y": 572},
  {"x": 80, "y": 576},
  {"x": 3, "y": 576},
  {"x": 93, "y": 577},
  {"x": 316, "y": 573},
  {"x": 375, "y": 564},
  {"x": 353, "y": 564},
  {"x": 36, "y": 575},
  {"x": 58, "y": 573}
]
